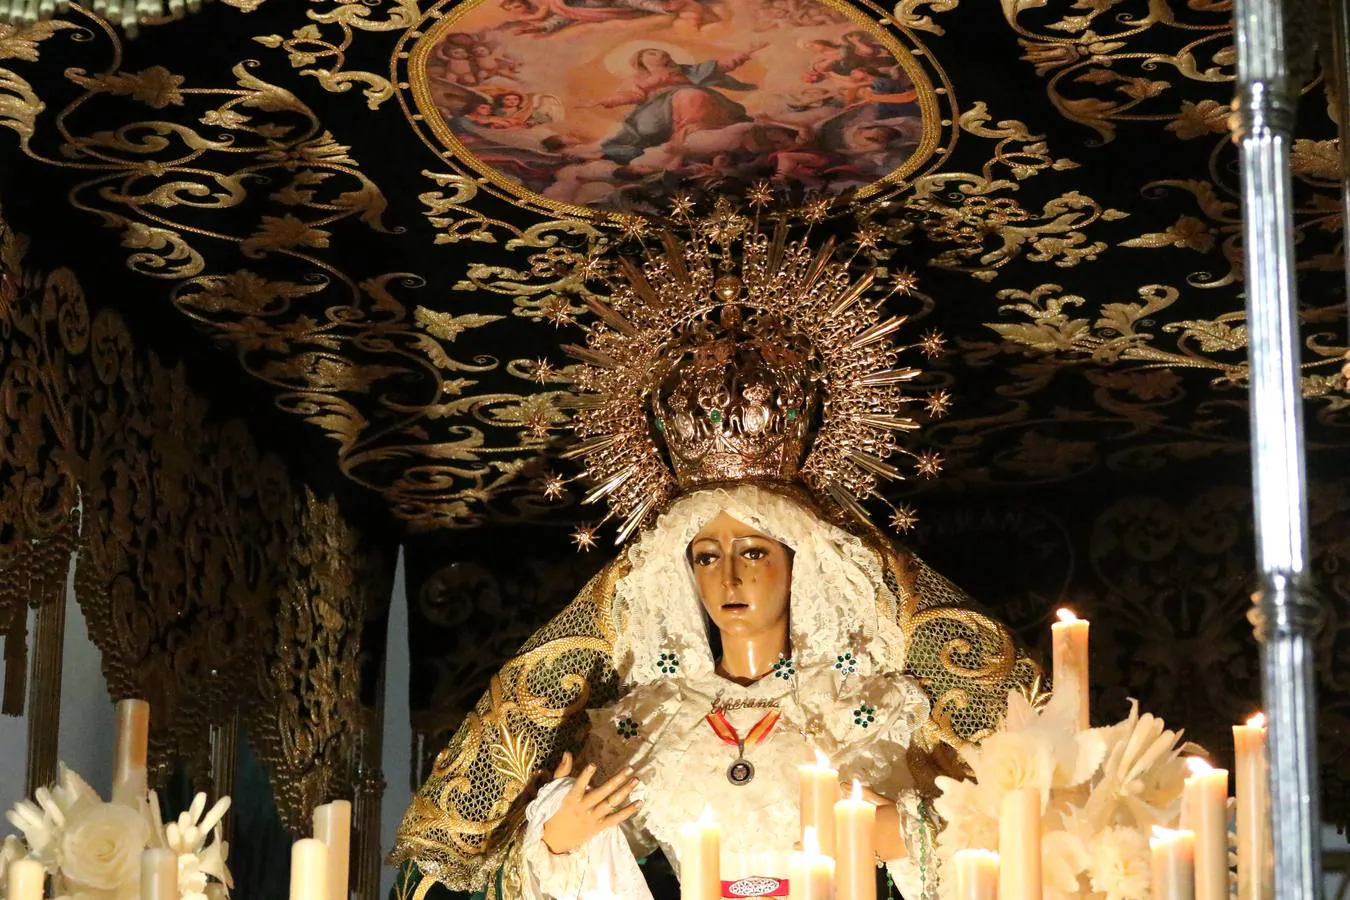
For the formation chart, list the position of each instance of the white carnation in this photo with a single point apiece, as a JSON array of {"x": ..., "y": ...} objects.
[{"x": 1120, "y": 866}]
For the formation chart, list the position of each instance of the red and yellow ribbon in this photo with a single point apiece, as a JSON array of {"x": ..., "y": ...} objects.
[{"x": 758, "y": 733}]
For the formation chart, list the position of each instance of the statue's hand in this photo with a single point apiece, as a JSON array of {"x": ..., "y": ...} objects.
[{"x": 585, "y": 812}]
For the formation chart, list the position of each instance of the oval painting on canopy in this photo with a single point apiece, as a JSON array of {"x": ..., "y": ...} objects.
[{"x": 617, "y": 105}]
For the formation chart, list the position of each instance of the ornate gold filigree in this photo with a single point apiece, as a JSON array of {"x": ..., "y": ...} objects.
[
  {"x": 307, "y": 663},
  {"x": 189, "y": 535},
  {"x": 43, "y": 331},
  {"x": 308, "y": 44},
  {"x": 918, "y": 14},
  {"x": 282, "y": 193},
  {"x": 978, "y": 216},
  {"x": 1126, "y": 331},
  {"x": 1102, "y": 67},
  {"x": 1099, "y": 73}
]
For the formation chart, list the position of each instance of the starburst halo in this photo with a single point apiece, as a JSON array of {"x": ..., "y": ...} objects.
[{"x": 773, "y": 272}]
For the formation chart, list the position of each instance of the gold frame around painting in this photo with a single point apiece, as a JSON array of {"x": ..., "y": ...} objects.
[{"x": 935, "y": 99}]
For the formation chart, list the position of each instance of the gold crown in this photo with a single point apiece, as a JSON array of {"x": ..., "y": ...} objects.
[
  {"x": 736, "y": 396},
  {"x": 733, "y": 353}
]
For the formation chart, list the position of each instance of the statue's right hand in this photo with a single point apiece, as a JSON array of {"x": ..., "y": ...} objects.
[{"x": 586, "y": 811}]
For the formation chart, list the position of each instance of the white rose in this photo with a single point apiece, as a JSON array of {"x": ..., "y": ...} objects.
[{"x": 101, "y": 847}]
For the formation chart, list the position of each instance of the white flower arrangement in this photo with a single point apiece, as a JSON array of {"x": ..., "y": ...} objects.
[
  {"x": 91, "y": 849},
  {"x": 1102, "y": 792}
]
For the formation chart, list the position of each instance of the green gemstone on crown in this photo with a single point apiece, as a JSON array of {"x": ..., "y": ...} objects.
[{"x": 714, "y": 416}]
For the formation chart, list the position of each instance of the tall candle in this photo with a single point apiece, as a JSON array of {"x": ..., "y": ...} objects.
[
  {"x": 1206, "y": 799},
  {"x": 975, "y": 874},
  {"x": 1019, "y": 845},
  {"x": 701, "y": 859},
  {"x": 159, "y": 875},
  {"x": 1173, "y": 864},
  {"x": 25, "y": 880},
  {"x": 133, "y": 737},
  {"x": 819, "y": 790},
  {"x": 1069, "y": 658},
  {"x": 1253, "y": 810},
  {"x": 855, "y": 823},
  {"x": 309, "y": 870},
  {"x": 810, "y": 872},
  {"x": 333, "y": 826}
]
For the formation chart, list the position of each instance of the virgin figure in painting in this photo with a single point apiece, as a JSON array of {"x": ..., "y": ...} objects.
[
  {"x": 671, "y": 101},
  {"x": 741, "y": 396}
]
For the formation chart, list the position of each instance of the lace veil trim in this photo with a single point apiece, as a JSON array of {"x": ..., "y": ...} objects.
[{"x": 840, "y": 599}]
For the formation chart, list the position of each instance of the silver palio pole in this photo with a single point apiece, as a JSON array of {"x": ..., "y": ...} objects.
[
  {"x": 1270, "y": 57},
  {"x": 1337, "y": 63}
]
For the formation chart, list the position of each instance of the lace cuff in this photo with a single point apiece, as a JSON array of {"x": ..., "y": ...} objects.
[
  {"x": 565, "y": 876},
  {"x": 915, "y": 874}
]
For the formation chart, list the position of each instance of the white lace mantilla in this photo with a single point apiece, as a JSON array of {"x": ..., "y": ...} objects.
[
  {"x": 842, "y": 685},
  {"x": 840, "y": 602}
]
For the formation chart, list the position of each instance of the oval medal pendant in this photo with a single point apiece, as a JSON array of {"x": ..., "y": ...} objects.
[{"x": 741, "y": 772}]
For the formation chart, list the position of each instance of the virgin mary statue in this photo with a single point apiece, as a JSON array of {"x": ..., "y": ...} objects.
[{"x": 737, "y": 395}]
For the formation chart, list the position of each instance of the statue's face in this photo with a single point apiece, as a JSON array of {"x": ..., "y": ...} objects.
[{"x": 744, "y": 577}]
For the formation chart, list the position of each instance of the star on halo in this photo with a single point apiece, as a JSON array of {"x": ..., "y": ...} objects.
[
  {"x": 904, "y": 281},
  {"x": 553, "y": 486},
  {"x": 817, "y": 210},
  {"x": 933, "y": 345},
  {"x": 634, "y": 228},
  {"x": 537, "y": 428},
  {"x": 544, "y": 371},
  {"x": 593, "y": 268},
  {"x": 584, "y": 538},
  {"x": 556, "y": 310},
  {"x": 904, "y": 518},
  {"x": 939, "y": 403},
  {"x": 760, "y": 194},
  {"x": 928, "y": 463},
  {"x": 682, "y": 205},
  {"x": 869, "y": 236}
]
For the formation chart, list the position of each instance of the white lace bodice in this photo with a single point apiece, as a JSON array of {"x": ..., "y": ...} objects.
[{"x": 863, "y": 724}]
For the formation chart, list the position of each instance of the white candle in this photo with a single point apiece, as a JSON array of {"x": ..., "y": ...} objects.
[
  {"x": 25, "y": 880},
  {"x": 819, "y": 790},
  {"x": 333, "y": 826},
  {"x": 1019, "y": 845},
  {"x": 309, "y": 870},
  {"x": 1173, "y": 855},
  {"x": 159, "y": 875},
  {"x": 129, "y": 785},
  {"x": 810, "y": 872},
  {"x": 1206, "y": 799},
  {"x": 701, "y": 858},
  {"x": 1069, "y": 661},
  {"x": 855, "y": 823},
  {"x": 976, "y": 875},
  {"x": 1253, "y": 810}
]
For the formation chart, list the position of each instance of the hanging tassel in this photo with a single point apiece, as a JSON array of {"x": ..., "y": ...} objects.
[{"x": 129, "y": 14}]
